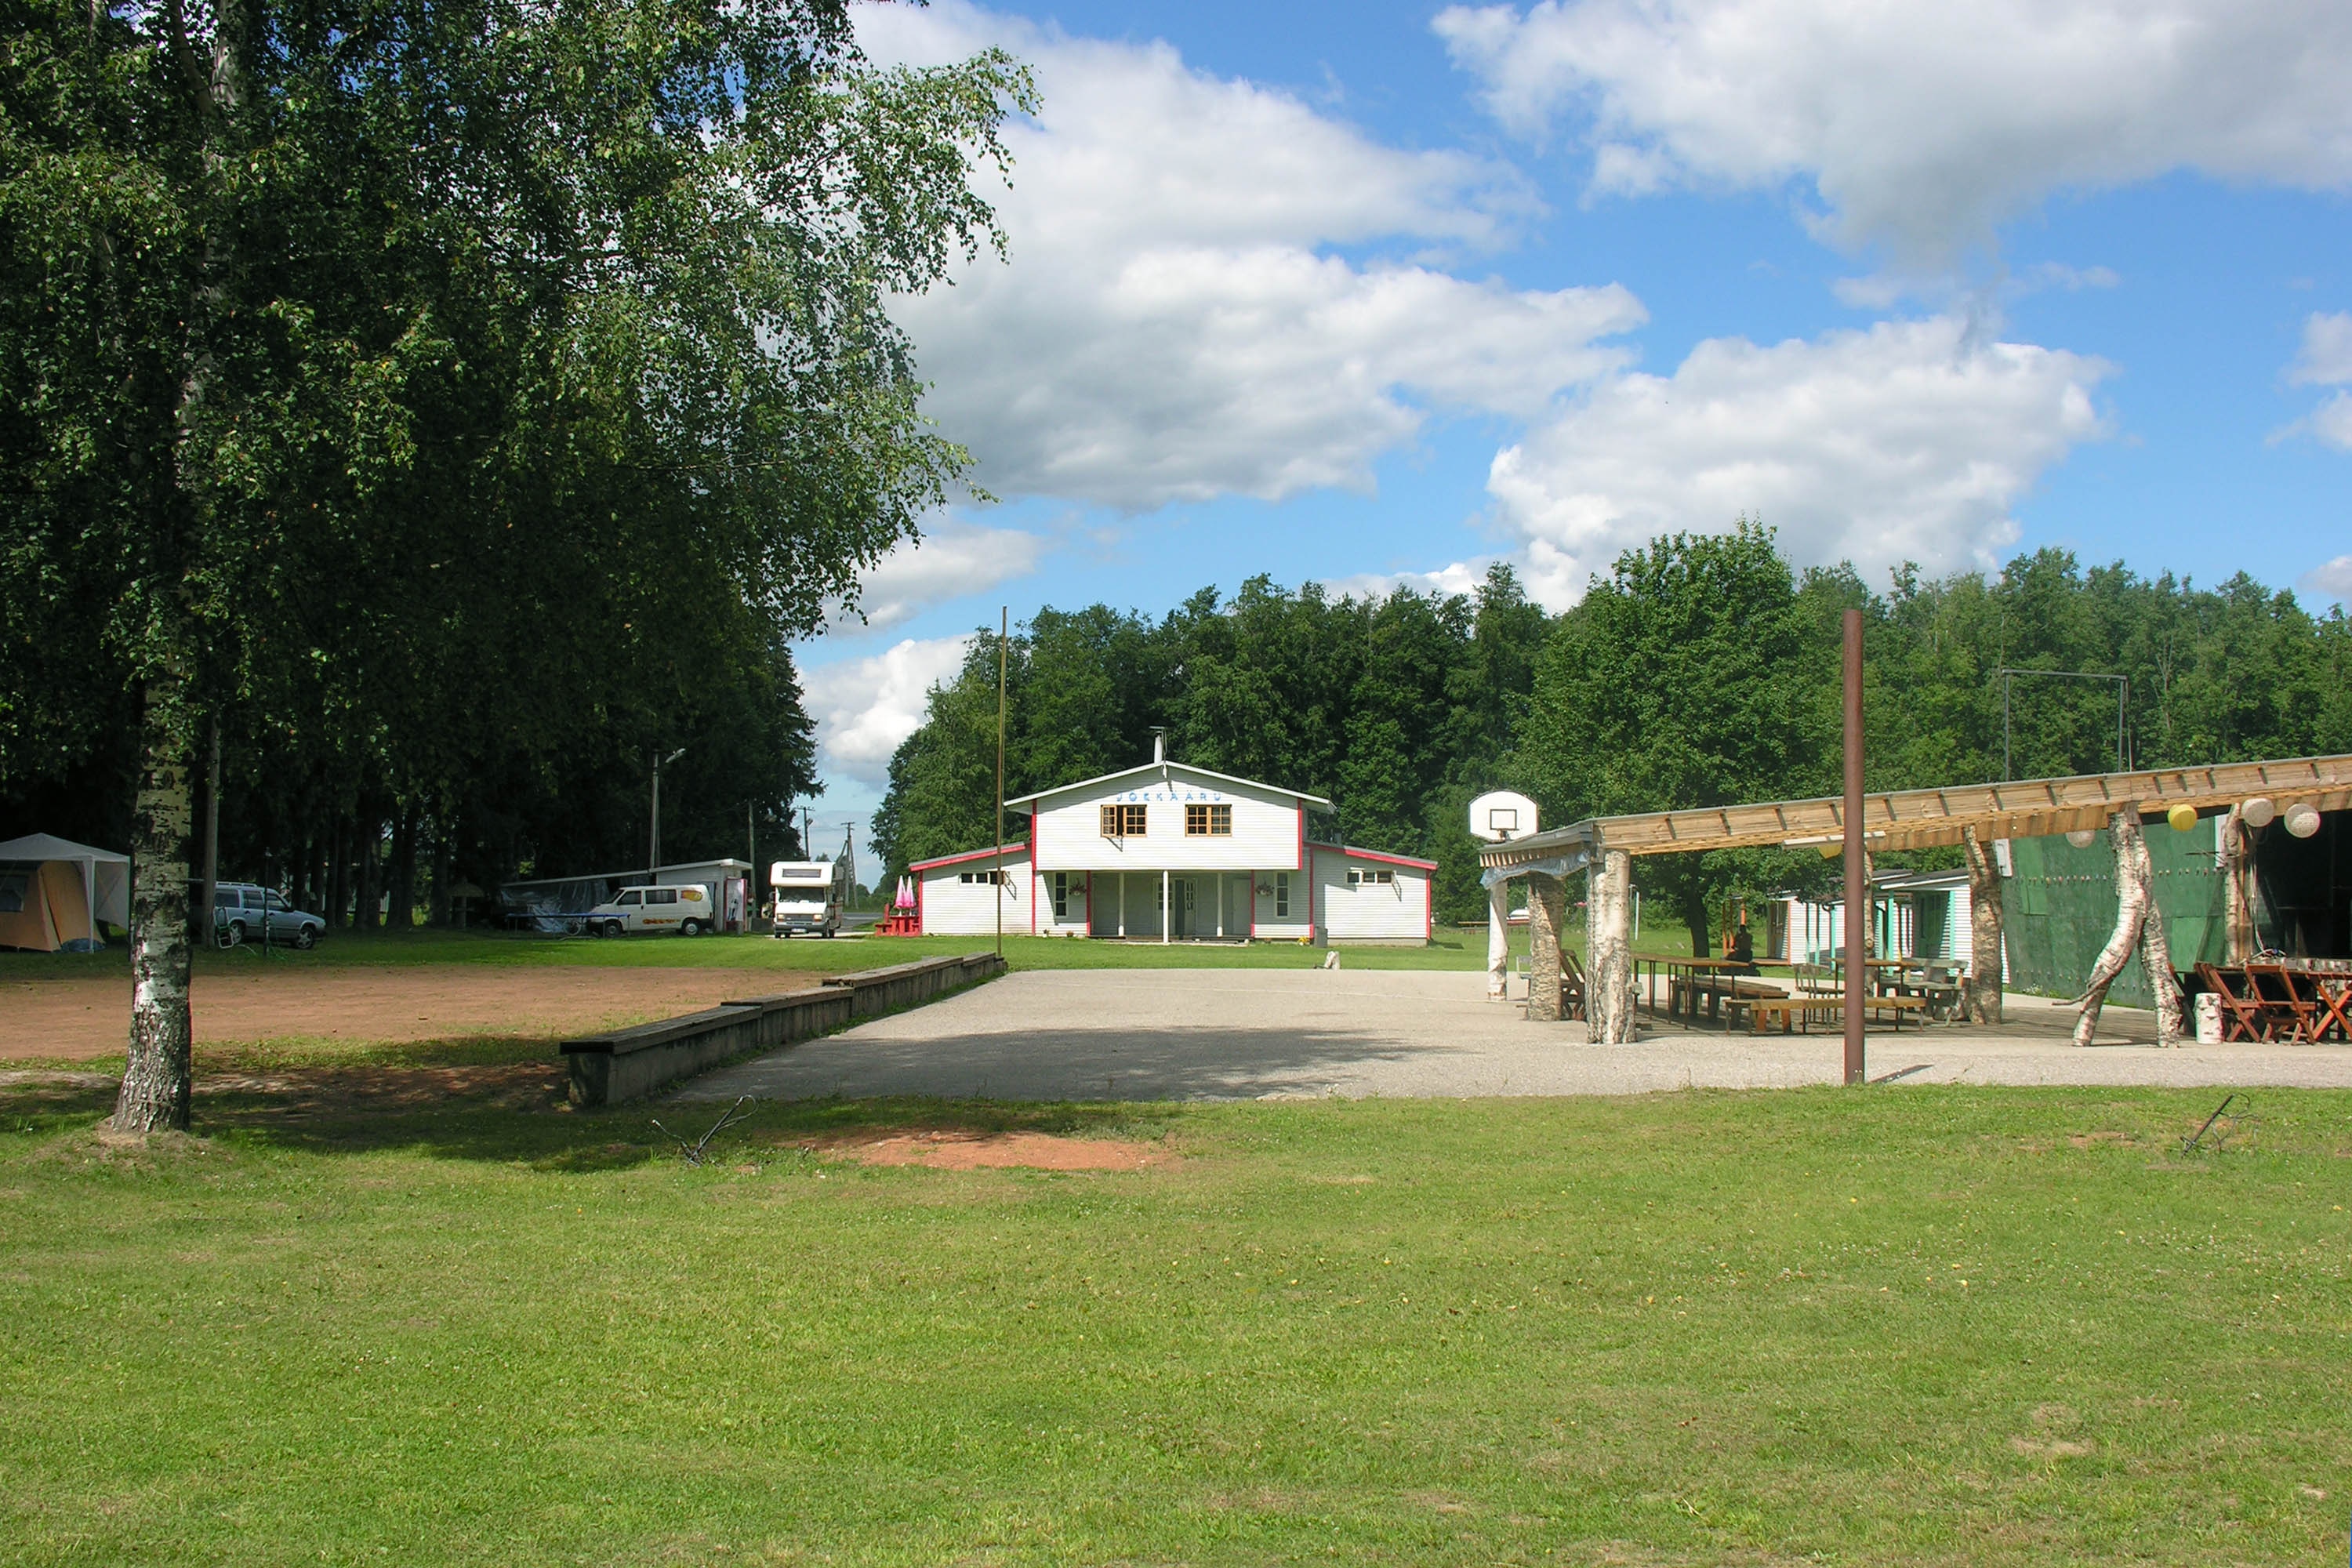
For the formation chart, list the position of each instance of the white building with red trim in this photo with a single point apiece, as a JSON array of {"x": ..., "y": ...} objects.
[{"x": 1169, "y": 852}]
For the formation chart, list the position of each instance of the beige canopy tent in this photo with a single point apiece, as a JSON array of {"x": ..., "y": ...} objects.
[
  {"x": 52, "y": 893},
  {"x": 1604, "y": 848}
]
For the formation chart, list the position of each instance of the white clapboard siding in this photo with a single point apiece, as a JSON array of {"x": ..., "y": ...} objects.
[
  {"x": 1276, "y": 922},
  {"x": 953, "y": 907},
  {"x": 1394, "y": 910},
  {"x": 1071, "y": 919},
  {"x": 1267, "y": 825}
]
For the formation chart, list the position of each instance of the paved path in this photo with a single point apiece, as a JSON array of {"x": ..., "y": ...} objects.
[{"x": 1225, "y": 1034}]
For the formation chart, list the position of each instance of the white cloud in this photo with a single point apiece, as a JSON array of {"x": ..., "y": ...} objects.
[
  {"x": 1173, "y": 325},
  {"x": 865, "y": 707},
  {"x": 1910, "y": 441},
  {"x": 1922, "y": 123},
  {"x": 2326, "y": 356},
  {"x": 2332, "y": 580},
  {"x": 953, "y": 558},
  {"x": 2330, "y": 423},
  {"x": 1460, "y": 577}
]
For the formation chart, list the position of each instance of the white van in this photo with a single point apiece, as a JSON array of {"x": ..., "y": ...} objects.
[{"x": 683, "y": 909}]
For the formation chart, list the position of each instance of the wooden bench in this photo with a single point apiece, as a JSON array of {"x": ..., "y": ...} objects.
[
  {"x": 1799, "y": 1011},
  {"x": 1718, "y": 993}
]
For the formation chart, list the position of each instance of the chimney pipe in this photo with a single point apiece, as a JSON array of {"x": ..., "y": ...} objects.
[{"x": 1159, "y": 745}]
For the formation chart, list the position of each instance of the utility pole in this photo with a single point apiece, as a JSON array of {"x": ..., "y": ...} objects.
[
  {"x": 1003, "y": 632},
  {"x": 653, "y": 840},
  {"x": 1857, "y": 874}
]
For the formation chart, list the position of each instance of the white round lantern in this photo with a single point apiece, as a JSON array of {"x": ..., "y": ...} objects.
[
  {"x": 2302, "y": 819},
  {"x": 2259, "y": 812},
  {"x": 2083, "y": 837}
]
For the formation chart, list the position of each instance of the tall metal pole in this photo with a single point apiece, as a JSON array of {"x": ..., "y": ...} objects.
[
  {"x": 1857, "y": 875},
  {"x": 1003, "y": 631},
  {"x": 653, "y": 830}
]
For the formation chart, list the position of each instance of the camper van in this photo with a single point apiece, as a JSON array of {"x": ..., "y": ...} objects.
[
  {"x": 809, "y": 895},
  {"x": 685, "y": 909}
]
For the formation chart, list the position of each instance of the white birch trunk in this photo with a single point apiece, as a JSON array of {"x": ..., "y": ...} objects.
[
  {"x": 1980, "y": 993},
  {"x": 2132, "y": 900},
  {"x": 1547, "y": 911},
  {"x": 2156, "y": 957},
  {"x": 1499, "y": 939},
  {"x": 156, "y": 1074},
  {"x": 1609, "y": 963}
]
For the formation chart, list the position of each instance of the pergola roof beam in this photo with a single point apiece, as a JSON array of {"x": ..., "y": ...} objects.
[{"x": 1908, "y": 819}]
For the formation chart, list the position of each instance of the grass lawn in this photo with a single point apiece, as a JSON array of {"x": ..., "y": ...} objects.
[
  {"x": 1901, "y": 1326},
  {"x": 1452, "y": 949}
]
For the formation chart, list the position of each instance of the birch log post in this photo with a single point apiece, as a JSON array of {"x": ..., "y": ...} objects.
[
  {"x": 2237, "y": 844},
  {"x": 1547, "y": 911},
  {"x": 2133, "y": 894},
  {"x": 1980, "y": 991},
  {"x": 1499, "y": 939},
  {"x": 1609, "y": 967},
  {"x": 2156, "y": 958}
]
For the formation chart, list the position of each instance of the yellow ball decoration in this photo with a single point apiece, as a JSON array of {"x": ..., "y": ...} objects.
[
  {"x": 1832, "y": 851},
  {"x": 2182, "y": 817}
]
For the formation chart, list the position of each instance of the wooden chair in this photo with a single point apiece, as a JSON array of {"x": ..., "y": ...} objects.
[
  {"x": 2288, "y": 997},
  {"x": 2242, "y": 1017},
  {"x": 2335, "y": 1003},
  {"x": 1571, "y": 984}
]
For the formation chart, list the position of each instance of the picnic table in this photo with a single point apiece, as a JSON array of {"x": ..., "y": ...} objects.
[{"x": 1691, "y": 981}]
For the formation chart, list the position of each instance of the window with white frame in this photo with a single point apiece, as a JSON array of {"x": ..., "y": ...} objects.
[
  {"x": 1364, "y": 875},
  {"x": 1282, "y": 895},
  {"x": 1061, "y": 895},
  {"x": 981, "y": 878}
]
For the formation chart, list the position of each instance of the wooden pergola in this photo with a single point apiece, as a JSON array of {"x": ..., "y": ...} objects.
[{"x": 1603, "y": 847}]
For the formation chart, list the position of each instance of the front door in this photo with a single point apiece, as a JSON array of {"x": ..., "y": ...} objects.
[{"x": 1181, "y": 899}]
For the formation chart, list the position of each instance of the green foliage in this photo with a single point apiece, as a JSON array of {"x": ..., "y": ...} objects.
[
  {"x": 462, "y": 402},
  {"x": 1702, "y": 671},
  {"x": 1389, "y": 707}
]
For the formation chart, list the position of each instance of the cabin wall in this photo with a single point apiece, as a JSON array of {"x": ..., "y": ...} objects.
[{"x": 1067, "y": 833}]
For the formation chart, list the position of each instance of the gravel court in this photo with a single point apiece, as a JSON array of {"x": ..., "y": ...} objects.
[{"x": 1219, "y": 1034}]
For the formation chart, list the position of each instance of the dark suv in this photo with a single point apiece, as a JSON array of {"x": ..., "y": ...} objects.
[{"x": 239, "y": 908}]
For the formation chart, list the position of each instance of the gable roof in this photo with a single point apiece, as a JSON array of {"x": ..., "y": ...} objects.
[{"x": 1163, "y": 770}]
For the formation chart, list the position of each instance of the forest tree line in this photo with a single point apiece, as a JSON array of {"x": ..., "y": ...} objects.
[
  {"x": 1702, "y": 671},
  {"x": 438, "y": 411}
]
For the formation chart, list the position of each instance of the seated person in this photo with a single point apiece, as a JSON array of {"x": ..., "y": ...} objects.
[{"x": 1742, "y": 951}]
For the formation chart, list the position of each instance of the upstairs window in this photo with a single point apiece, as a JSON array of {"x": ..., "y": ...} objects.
[
  {"x": 1123, "y": 822},
  {"x": 1208, "y": 822}
]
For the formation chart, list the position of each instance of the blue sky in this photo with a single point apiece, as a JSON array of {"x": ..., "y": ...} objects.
[{"x": 1378, "y": 293}]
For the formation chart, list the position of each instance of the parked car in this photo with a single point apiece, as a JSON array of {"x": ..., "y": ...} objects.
[
  {"x": 240, "y": 908},
  {"x": 683, "y": 909}
]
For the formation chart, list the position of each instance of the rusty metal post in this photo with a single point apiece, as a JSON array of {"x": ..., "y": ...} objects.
[{"x": 1857, "y": 872}]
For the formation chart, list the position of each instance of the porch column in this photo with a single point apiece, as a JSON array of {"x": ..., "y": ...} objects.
[
  {"x": 1167, "y": 914},
  {"x": 1609, "y": 963},
  {"x": 1122, "y": 906},
  {"x": 1499, "y": 939},
  {"x": 1980, "y": 993},
  {"x": 2237, "y": 886},
  {"x": 1547, "y": 911},
  {"x": 2139, "y": 927}
]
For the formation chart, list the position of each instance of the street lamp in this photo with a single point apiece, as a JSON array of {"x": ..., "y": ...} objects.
[{"x": 653, "y": 846}]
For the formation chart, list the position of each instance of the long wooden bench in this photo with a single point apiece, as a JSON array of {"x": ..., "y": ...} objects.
[{"x": 1799, "y": 1012}]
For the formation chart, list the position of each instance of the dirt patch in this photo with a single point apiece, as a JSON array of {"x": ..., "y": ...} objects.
[
  {"x": 950, "y": 1151},
  {"x": 82, "y": 1018},
  {"x": 2088, "y": 1140}
]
